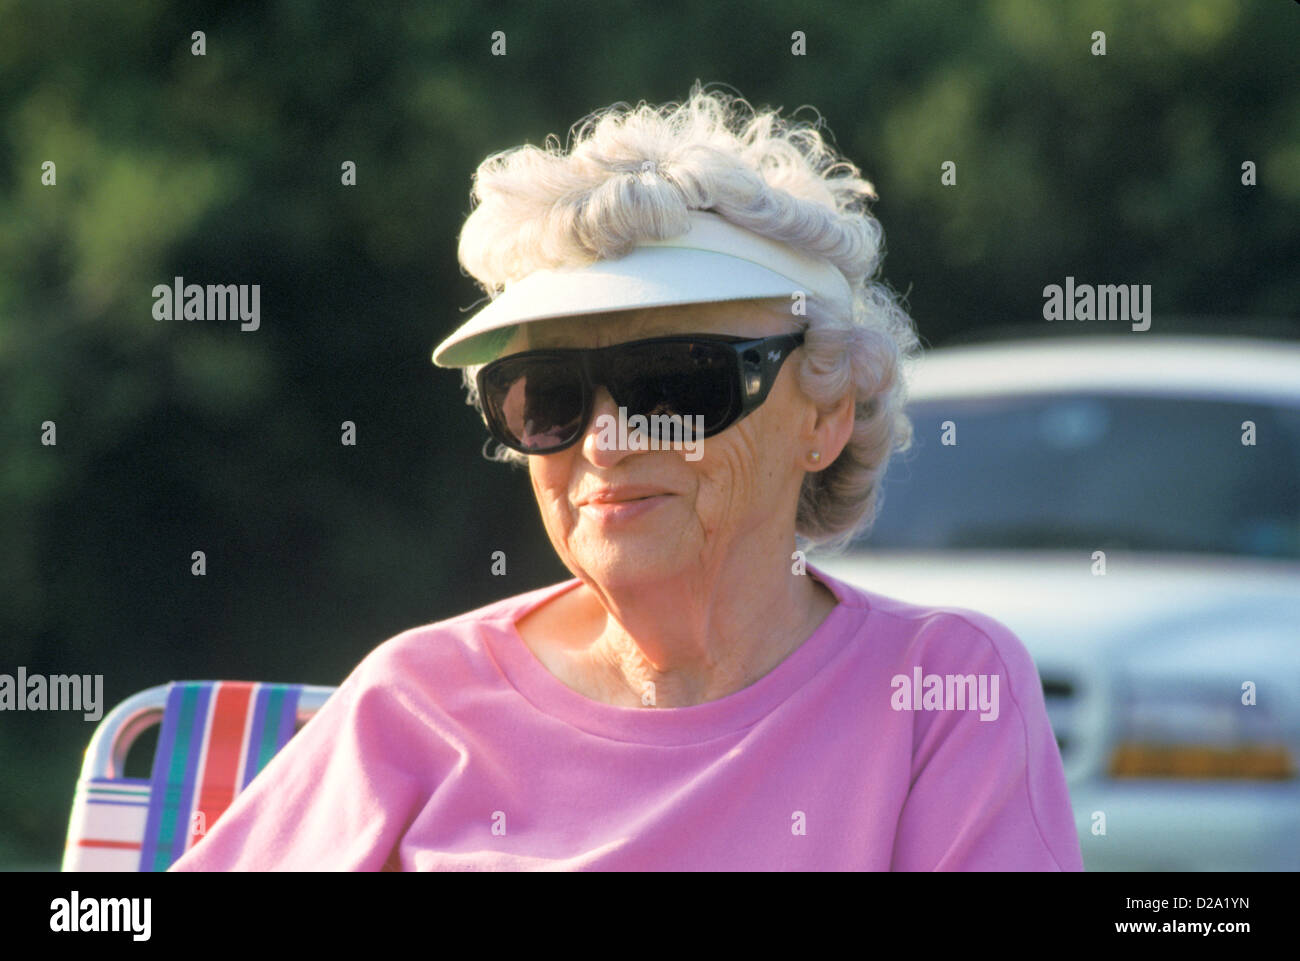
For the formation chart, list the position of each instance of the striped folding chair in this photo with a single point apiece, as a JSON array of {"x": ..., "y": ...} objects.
[{"x": 215, "y": 737}]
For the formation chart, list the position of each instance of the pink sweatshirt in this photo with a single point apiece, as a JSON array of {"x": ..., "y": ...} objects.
[{"x": 451, "y": 747}]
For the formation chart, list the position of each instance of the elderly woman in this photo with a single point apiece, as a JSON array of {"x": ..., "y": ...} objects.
[{"x": 697, "y": 697}]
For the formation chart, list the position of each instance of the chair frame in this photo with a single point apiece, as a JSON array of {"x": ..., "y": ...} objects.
[{"x": 105, "y": 758}]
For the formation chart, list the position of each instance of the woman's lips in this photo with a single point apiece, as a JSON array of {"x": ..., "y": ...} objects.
[{"x": 610, "y": 512}]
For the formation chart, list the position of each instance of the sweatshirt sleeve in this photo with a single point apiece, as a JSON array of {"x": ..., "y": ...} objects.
[
  {"x": 337, "y": 797},
  {"x": 986, "y": 795}
]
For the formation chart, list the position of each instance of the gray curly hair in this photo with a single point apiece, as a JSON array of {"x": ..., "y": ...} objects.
[{"x": 632, "y": 174}]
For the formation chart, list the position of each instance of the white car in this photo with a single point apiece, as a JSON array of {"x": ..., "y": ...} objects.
[{"x": 1172, "y": 679}]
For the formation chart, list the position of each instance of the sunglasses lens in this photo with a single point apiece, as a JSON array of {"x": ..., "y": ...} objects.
[
  {"x": 536, "y": 402},
  {"x": 539, "y": 404},
  {"x": 686, "y": 379}
]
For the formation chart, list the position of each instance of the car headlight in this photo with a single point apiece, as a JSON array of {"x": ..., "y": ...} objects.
[{"x": 1198, "y": 733}]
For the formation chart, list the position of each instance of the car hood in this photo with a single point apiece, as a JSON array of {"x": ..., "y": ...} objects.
[
  {"x": 1157, "y": 628},
  {"x": 1061, "y": 610}
]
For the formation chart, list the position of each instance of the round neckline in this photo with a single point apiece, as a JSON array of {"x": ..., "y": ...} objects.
[{"x": 672, "y": 725}]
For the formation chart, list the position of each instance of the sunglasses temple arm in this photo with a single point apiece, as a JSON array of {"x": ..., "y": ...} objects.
[{"x": 762, "y": 375}]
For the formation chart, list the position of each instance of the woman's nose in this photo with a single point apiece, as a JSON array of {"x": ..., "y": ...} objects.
[{"x": 600, "y": 444}]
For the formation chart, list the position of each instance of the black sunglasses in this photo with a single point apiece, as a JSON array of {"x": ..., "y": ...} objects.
[{"x": 541, "y": 401}]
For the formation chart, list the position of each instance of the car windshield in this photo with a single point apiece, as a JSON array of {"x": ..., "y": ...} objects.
[{"x": 1086, "y": 472}]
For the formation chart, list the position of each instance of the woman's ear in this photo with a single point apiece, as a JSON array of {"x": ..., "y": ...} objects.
[{"x": 832, "y": 430}]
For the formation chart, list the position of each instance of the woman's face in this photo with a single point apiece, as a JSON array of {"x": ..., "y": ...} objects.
[{"x": 706, "y": 514}]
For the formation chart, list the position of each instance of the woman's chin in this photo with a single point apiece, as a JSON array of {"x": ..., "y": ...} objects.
[{"x": 621, "y": 567}]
